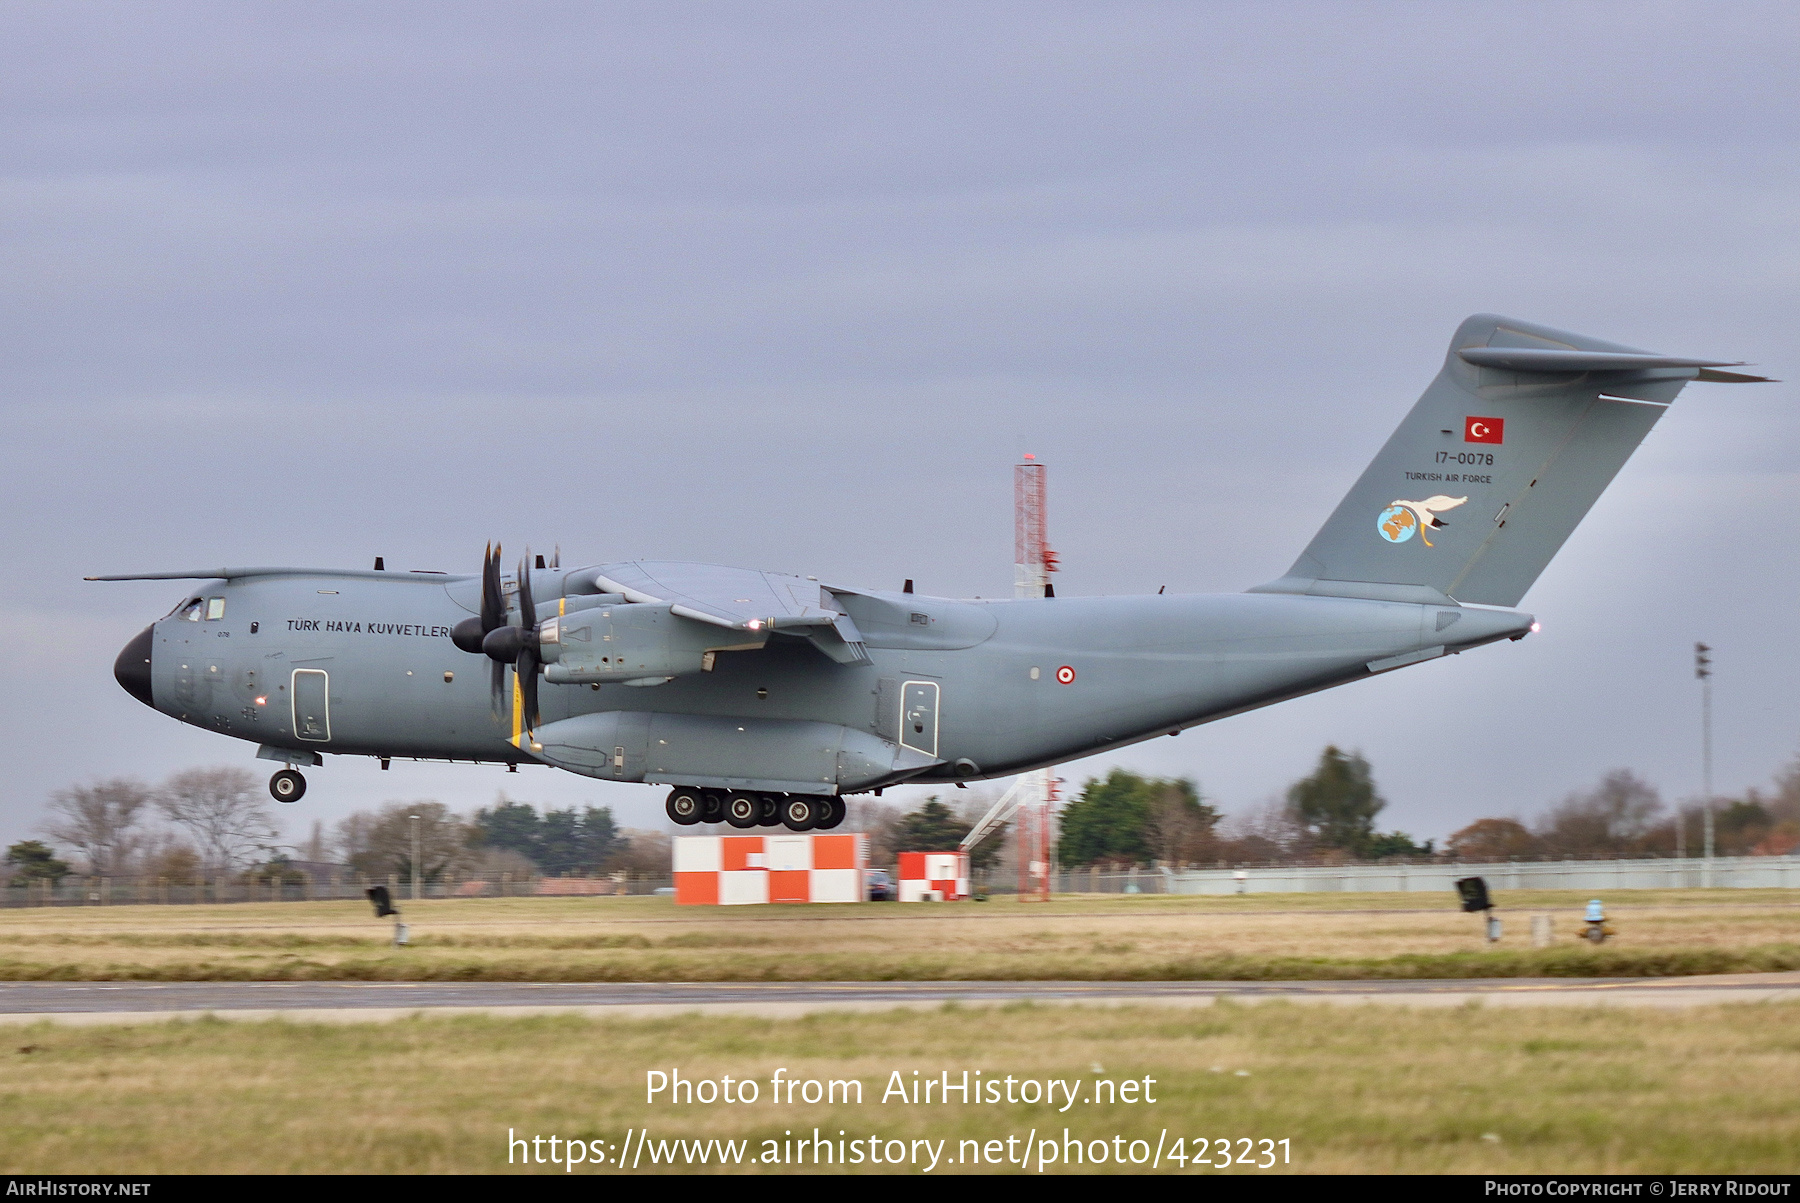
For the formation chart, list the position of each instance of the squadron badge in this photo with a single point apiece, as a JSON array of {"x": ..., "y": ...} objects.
[{"x": 1404, "y": 519}]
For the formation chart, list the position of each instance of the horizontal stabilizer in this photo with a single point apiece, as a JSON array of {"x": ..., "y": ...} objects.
[{"x": 1558, "y": 359}]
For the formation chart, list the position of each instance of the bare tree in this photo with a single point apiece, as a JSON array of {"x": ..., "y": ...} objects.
[
  {"x": 881, "y": 823},
  {"x": 100, "y": 821},
  {"x": 1178, "y": 824},
  {"x": 224, "y": 813},
  {"x": 166, "y": 855},
  {"x": 492, "y": 863},
  {"x": 1607, "y": 820},
  {"x": 350, "y": 838},
  {"x": 1267, "y": 831},
  {"x": 386, "y": 839},
  {"x": 315, "y": 844},
  {"x": 641, "y": 853}
]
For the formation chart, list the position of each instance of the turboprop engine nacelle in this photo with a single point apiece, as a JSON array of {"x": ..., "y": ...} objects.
[{"x": 633, "y": 641}]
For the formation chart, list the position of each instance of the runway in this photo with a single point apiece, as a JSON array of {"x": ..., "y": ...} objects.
[{"x": 348, "y": 1002}]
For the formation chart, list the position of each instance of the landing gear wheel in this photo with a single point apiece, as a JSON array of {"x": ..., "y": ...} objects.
[
  {"x": 712, "y": 806},
  {"x": 684, "y": 806},
  {"x": 287, "y": 786},
  {"x": 769, "y": 813},
  {"x": 741, "y": 809},
  {"x": 798, "y": 812},
  {"x": 834, "y": 811}
]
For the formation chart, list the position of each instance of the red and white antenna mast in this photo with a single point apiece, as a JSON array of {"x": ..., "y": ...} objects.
[{"x": 1033, "y": 562}]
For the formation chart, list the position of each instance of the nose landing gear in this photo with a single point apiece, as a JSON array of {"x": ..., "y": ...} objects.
[{"x": 287, "y": 786}]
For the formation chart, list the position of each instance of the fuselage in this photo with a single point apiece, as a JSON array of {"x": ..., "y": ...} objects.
[{"x": 363, "y": 664}]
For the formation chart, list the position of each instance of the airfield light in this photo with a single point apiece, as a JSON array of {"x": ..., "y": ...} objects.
[{"x": 1703, "y": 671}]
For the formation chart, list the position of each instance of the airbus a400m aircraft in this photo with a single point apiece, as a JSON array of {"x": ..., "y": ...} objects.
[{"x": 763, "y": 698}]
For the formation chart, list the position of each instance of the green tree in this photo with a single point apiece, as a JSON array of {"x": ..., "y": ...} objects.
[
  {"x": 1127, "y": 817},
  {"x": 574, "y": 840},
  {"x": 600, "y": 837},
  {"x": 32, "y": 860},
  {"x": 512, "y": 827},
  {"x": 1338, "y": 802},
  {"x": 933, "y": 827},
  {"x": 1395, "y": 843}
]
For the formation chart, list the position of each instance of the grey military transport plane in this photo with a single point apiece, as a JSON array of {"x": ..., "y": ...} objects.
[{"x": 764, "y": 699}]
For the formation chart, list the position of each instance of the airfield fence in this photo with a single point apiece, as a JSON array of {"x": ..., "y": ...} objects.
[
  {"x": 1733, "y": 872},
  {"x": 142, "y": 891},
  {"x": 1595, "y": 876}
]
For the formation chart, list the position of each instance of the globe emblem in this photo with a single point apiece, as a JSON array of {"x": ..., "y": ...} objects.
[{"x": 1397, "y": 524}]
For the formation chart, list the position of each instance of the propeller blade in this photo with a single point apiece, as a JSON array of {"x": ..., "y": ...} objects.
[
  {"x": 493, "y": 601},
  {"x": 527, "y": 607},
  {"x": 469, "y": 633},
  {"x": 528, "y": 684},
  {"x": 497, "y": 689}
]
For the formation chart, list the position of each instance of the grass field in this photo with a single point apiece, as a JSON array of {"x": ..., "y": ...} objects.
[
  {"x": 1366, "y": 1089},
  {"x": 1264, "y": 937}
]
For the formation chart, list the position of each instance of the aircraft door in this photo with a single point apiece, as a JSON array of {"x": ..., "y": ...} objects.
[
  {"x": 919, "y": 716},
  {"x": 311, "y": 691}
]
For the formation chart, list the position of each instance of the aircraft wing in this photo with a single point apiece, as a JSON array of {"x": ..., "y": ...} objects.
[{"x": 740, "y": 598}]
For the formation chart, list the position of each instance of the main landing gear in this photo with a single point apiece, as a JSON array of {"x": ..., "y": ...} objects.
[
  {"x": 744, "y": 809},
  {"x": 287, "y": 786}
]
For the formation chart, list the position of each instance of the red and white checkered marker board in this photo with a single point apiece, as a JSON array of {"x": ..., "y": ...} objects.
[
  {"x": 934, "y": 876},
  {"x": 740, "y": 870}
]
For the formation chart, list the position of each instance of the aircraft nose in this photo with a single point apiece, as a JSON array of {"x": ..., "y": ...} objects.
[{"x": 132, "y": 668}]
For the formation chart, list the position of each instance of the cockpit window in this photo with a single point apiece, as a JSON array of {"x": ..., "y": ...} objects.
[
  {"x": 192, "y": 610},
  {"x": 215, "y": 608}
]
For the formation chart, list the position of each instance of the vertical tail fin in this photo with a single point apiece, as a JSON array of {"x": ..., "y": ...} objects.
[{"x": 1503, "y": 455}]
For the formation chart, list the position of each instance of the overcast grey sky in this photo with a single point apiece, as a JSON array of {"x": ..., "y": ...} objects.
[{"x": 791, "y": 286}]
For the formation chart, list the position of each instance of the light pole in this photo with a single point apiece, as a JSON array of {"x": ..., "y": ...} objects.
[
  {"x": 1703, "y": 671},
  {"x": 415, "y": 858}
]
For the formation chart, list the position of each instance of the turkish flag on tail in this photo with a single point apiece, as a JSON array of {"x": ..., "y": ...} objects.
[{"x": 1484, "y": 430}]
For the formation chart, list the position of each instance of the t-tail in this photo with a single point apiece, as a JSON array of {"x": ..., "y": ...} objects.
[{"x": 1494, "y": 467}]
